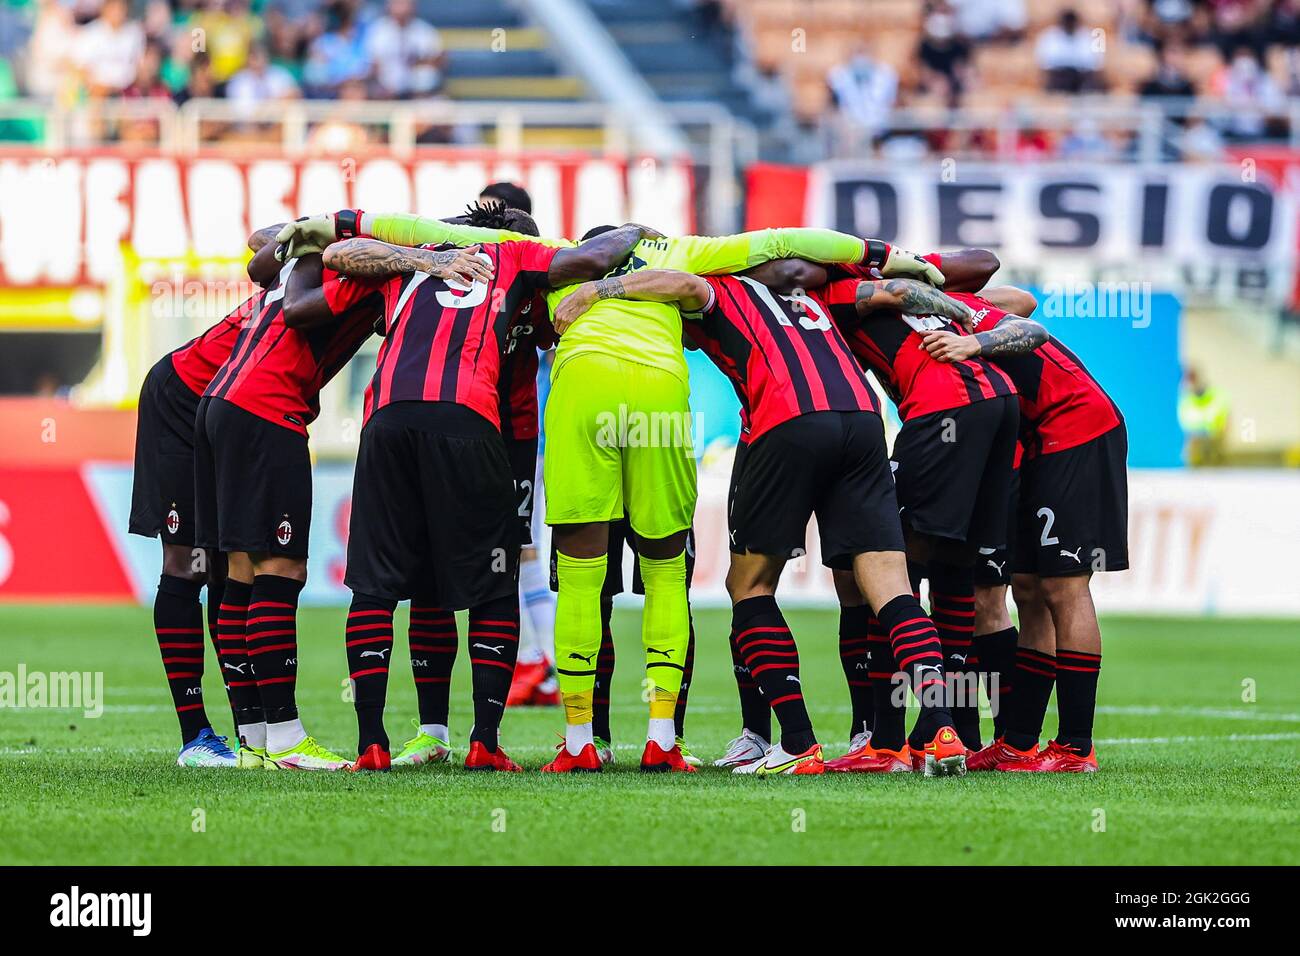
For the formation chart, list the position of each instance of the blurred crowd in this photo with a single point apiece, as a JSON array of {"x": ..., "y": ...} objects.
[
  {"x": 249, "y": 51},
  {"x": 1224, "y": 69}
]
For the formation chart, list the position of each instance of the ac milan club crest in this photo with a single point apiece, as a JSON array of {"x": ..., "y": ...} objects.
[
  {"x": 284, "y": 532},
  {"x": 173, "y": 522}
]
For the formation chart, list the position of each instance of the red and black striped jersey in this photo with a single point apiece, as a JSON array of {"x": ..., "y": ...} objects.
[
  {"x": 277, "y": 372},
  {"x": 889, "y": 344},
  {"x": 782, "y": 353},
  {"x": 1061, "y": 405},
  {"x": 517, "y": 386},
  {"x": 198, "y": 360},
  {"x": 445, "y": 341}
]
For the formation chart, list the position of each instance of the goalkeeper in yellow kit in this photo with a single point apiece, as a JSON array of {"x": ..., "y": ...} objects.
[{"x": 618, "y": 442}]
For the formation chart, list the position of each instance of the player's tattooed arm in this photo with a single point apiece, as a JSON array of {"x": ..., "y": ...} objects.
[
  {"x": 263, "y": 236},
  {"x": 911, "y": 296},
  {"x": 690, "y": 292},
  {"x": 372, "y": 259},
  {"x": 597, "y": 256},
  {"x": 1008, "y": 337}
]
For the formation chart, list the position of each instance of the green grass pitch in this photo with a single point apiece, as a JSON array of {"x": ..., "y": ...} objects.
[{"x": 1192, "y": 773}]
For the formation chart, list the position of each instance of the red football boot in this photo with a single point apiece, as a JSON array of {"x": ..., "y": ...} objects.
[
  {"x": 375, "y": 759},
  {"x": 1058, "y": 759},
  {"x": 657, "y": 760},
  {"x": 944, "y": 756},
  {"x": 587, "y": 761},
  {"x": 524, "y": 683},
  {"x": 868, "y": 759},
  {"x": 1001, "y": 756},
  {"x": 480, "y": 758}
]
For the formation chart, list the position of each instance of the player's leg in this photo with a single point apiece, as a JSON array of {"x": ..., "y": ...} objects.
[
  {"x": 433, "y": 643},
  {"x": 855, "y": 656},
  {"x": 1078, "y": 666},
  {"x": 688, "y": 673},
  {"x": 665, "y": 638},
  {"x": 537, "y": 631},
  {"x": 583, "y": 470},
  {"x": 580, "y": 571},
  {"x": 238, "y": 666},
  {"x": 768, "y": 648},
  {"x": 659, "y": 488},
  {"x": 952, "y": 608},
  {"x": 473, "y": 556},
  {"x": 995, "y": 646},
  {"x": 178, "y": 626},
  {"x": 601, "y": 690},
  {"x": 1032, "y": 680}
]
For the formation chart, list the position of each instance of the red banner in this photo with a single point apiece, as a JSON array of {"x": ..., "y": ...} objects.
[{"x": 53, "y": 541}]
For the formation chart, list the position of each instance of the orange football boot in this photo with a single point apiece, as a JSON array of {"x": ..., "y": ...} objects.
[
  {"x": 375, "y": 759},
  {"x": 1057, "y": 759},
  {"x": 587, "y": 761},
  {"x": 480, "y": 758},
  {"x": 1000, "y": 755},
  {"x": 868, "y": 759},
  {"x": 657, "y": 760},
  {"x": 525, "y": 682},
  {"x": 945, "y": 755}
]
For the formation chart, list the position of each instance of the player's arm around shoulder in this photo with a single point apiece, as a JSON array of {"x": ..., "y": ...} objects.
[
  {"x": 373, "y": 259},
  {"x": 690, "y": 292},
  {"x": 598, "y": 255},
  {"x": 1012, "y": 334}
]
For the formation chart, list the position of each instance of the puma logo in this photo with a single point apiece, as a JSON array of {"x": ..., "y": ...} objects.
[
  {"x": 655, "y": 650},
  {"x": 382, "y": 654},
  {"x": 585, "y": 658},
  {"x": 237, "y": 668},
  {"x": 793, "y": 678},
  {"x": 996, "y": 566},
  {"x": 489, "y": 647},
  {"x": 1072, "y": 554},
  {"x": 958, "y": 657}
]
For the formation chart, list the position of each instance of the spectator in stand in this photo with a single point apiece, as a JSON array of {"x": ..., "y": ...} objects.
[
  {"x": 148, "y": 83},
  {"x": 108, "y": 50},
  {"x": 51, "y": 55},
  {"x": 200, "y": 83},
  {"x": 406, "y": 52},
  {"x": 228, "y": 29},
  {"x": 1170, "y": 78},
  {"x": 286, "y": 42},
  {"x": 339, "y": 55},
  {"x": 261, "y": 81},
  {"x": 1001, "y": 21},
  {"x": 1254, "y": 101},
  {"x": 339, "y": 135},
  {"x": 1070, "y": 56},
  {"x": 1238, "y": 23},
  {"x": 865, "y": 91},
  {"x": 944, "y": 53},
  {"x": 157, "y": 23}
]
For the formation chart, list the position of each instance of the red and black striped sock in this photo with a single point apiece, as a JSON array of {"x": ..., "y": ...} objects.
[
  {"x": 493, "y": 648},
  {"x": 952, "y": 608},
  {"x": 770, "y": 653},
  {"x": 997, "y": 656},
  {"x": 272, "y": 636},
  {"x": 918, "y": 653},
  {"x": 1034, "y": 676},
  {"x": 688, "y": 671},
  {"x": 755, "y": 715},
  {"x": 369, "y": 643},
  {"x": 178, "y": 626},
  {"x": 888, "y": 691},
  {"x": 1076, "y": 698},
  {"x": 855, "y": 656},
  {"x": 236, "y": 665},
  {"x": 433, "y": 643},
  {"x": 216, "y": 590},
  {"x": 604, "y": 674}
]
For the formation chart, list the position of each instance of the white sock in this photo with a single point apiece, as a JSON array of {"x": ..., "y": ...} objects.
[
  {"x": 284, "y": 736},
  {"x": 254, "y": 735},
  {"x": 539, "y": 602},
  {"x": 662, "y": 731},
  {"x": 577, "y": 736},
  {"x": 435, "y": 730}
]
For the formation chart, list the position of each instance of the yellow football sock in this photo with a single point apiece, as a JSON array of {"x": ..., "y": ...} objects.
[
  {"x": 577, "y": 632},
  {"x": 665, "y": 629}
]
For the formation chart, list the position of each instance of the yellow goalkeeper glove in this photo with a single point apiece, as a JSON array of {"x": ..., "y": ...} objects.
[{"x": 895, "y": 261}]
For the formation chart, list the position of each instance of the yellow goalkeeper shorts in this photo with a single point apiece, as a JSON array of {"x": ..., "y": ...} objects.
[{"x": 619, "y": 441}]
